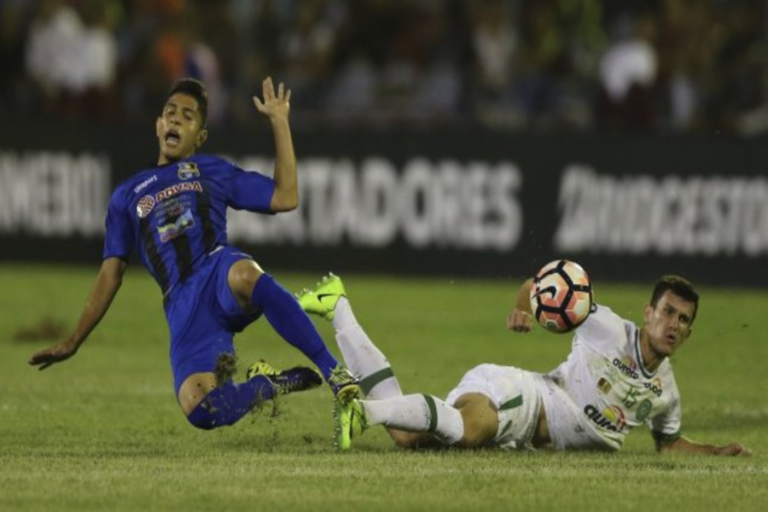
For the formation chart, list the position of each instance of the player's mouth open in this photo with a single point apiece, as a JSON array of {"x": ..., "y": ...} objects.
[{"x": 172, "y": 138}]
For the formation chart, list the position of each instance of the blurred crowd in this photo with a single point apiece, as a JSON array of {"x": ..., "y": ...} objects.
[{"x": 542, "y": 65}]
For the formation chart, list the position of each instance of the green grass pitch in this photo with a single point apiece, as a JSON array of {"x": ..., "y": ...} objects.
[{"x": 103, "y": 430}]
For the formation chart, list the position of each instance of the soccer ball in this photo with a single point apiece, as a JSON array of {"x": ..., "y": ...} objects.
[{"x": 561, "y": 296}]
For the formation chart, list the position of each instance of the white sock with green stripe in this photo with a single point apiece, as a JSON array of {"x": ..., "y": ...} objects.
[
  {"x": 416, "y": 413},
  {"x": 362, "y": 357}
]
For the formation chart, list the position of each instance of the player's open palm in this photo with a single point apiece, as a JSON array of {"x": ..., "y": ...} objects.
[
  {"x": 55, "y": 354},
  {"x": 275, "y": 104}
]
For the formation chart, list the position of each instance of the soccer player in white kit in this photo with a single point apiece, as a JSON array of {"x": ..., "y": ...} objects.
[{"x": 617, "y": 377}]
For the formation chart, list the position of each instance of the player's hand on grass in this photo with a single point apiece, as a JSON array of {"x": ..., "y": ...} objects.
[
  {"x": 733, "y": 450},
  {"x": 519, "y": 321},
  {"x": 55, "y": 354},
  {"x": 275, "y": 105}
]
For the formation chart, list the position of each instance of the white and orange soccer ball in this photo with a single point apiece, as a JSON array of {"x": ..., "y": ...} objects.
[{"x": 561, "y": 296}]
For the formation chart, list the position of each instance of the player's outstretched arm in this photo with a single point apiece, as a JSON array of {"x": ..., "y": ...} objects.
[
  {"x": 104, "y": 290},
  {"x": 683, "y": 445},
  {"x": 520, "y": 319},
  {"x": 276, "y": 106}
]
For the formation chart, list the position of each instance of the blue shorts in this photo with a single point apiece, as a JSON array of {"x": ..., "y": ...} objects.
[{"x": 203, "y": 316}]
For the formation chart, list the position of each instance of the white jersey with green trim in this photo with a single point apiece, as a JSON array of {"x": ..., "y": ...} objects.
[{"x": 605, "y": 379}]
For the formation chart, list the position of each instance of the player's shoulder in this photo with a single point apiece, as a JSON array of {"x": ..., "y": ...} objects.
[
  {"x": 140, "y": 180},
  {"x": 135, "y": 184},
  {"x": 602, "y": 326},
  {"x": 604, "y": 315}
]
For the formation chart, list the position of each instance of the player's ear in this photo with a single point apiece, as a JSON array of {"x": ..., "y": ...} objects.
[
  {"x": 158, "y": 127},
  {"x": 648, "y": 313},
  {"x": 201, "y": 138}
]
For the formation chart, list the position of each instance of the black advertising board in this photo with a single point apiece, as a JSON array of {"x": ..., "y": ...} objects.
[{"x": 452, "y": 203}]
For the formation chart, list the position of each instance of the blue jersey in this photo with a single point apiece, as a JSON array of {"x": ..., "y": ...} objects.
[{"x": 175, "y": 214}]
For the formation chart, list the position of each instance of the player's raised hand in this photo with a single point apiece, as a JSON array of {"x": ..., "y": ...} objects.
[
  {"x": 55, "y": 354},
  {"x": 275, "y": 104},
  {"x": 519, "y": 321}
]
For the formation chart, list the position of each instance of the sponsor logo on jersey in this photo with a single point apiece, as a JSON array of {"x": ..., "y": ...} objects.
[
  {"x": 188, "y": 170},
  {"x": 144, "y": 184},
  {"x": 178, "y": 188},
  {"x": 654, "y": 386},
  {"x": 643, "y": 410},
  {"x": 604, "y": 386},
  {"x": 627, "y": 369},
  {"x": 175, "y": 229},
  {"x": 144, "y": 206},
  {"x": 611, "y": 418}
]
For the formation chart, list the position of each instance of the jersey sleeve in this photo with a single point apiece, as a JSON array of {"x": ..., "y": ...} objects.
[
  {"x": 601, "y": 329},
  {"x": 665, "y": 426},
  {"x": 119, "y": 238},
  {"x": 248, "y": 190}
]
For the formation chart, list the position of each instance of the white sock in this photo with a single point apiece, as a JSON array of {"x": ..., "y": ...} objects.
[
  {"x": 417, "y": 413},
  {"x": 343, "y": 315},
  {"x": 362, "y": 357}
]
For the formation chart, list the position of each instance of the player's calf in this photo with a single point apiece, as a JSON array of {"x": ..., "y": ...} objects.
[
  {"x": 418, "y": 413},
  {"x": 225, "y": 402},
  {"x": 412, "y": 440}
]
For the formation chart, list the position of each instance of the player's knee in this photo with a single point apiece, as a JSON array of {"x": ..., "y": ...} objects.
[
  {"x": 242, "y": 278},
  {"x": 244, "y": 273},
  {"x": 480, "y": 419}
]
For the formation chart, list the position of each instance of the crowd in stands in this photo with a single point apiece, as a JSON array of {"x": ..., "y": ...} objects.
[{"x": 658, "y": 66}]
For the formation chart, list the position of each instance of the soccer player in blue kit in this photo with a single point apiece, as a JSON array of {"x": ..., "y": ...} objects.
[{"x": 174, "y": 214}]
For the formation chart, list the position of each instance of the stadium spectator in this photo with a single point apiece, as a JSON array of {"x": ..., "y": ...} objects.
[
  {"x": 616, "y": 377},
  {"x": 51, "y": 52},
  {"x": 72, "y": 56},
  {"x": 496, "y": 58},
  {"x": 179, "y": 53},
  {"x": 628, "y": 75},
  {"x": 688, "y": 47},
  {"x": 93, "y": 94},
  {"x": 305, "y": 50}
]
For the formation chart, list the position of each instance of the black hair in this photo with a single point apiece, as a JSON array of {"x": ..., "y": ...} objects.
[
  {"x": 680, "y": 287},
  {"x": 195, "y": 89}
]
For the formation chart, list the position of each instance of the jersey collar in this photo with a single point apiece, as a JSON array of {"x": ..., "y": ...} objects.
[{"x": 639, "y": 357}]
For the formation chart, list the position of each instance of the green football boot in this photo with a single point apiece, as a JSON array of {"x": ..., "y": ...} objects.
[
  {"x": 344, "y": 385},
  {"x": 321, "y": 300},
  {"x": 350, "y": 423},
  {"x": 298, "y": 378}
]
